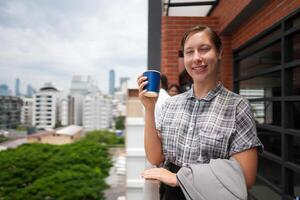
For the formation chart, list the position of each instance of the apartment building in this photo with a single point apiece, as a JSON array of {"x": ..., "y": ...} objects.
[
  {"x": 45, "y": 107},
  {"x": 10, "y": 112},
  {"x": 97, "y": 112},
  {"x": 26, "y": 111}
]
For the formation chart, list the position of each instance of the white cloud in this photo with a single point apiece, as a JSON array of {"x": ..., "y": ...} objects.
[{"x": 52, "y": 40}]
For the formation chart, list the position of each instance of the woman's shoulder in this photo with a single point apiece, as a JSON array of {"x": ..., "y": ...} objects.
[
  {"x": 233, "y": 97},
  {"x": 179, "y": 97}
]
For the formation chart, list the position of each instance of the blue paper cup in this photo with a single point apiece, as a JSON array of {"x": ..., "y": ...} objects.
[{"x": 153, "y": 83}]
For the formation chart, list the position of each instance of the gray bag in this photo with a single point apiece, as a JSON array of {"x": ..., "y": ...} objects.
[{"x": 219, "y": 179}]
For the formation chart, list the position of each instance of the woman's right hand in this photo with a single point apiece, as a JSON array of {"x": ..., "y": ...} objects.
[{"x": 148, "y": 102}]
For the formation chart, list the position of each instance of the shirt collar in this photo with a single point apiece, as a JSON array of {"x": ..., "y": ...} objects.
[{"x": 209, "y": 96}]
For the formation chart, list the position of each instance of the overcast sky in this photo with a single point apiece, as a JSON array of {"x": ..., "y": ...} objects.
[{"x": 51, "y": 40}]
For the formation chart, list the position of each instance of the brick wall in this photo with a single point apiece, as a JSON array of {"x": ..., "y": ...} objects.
[
  {"x": 226, "y": 63},
  {"x": 263, "y": 19},
  {"x": 227, "y": 10}
]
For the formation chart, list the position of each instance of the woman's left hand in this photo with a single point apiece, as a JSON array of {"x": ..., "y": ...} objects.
[{"x": 162, "y": 175}]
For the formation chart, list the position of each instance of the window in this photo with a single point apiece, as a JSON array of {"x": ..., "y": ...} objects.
[
  {"x": 294, "y": 149},
  {"x": 267, "y": 73},
  {"x": 296, "y": 183},
  {"x": 271, "y": 141},
  {"x": 264, "y": 59},
  {"x": 293, "y": 81},
  {"x": 270, "y": 170},
  {"x": 267, "y": 112},
  {"x": 262, "y": 191},
  {"x": 268, "y": 85}
]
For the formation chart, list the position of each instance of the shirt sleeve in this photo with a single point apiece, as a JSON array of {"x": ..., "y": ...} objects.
[{"x": 245, "y": 135}]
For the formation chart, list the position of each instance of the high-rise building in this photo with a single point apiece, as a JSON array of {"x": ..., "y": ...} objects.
[
  {"x": 17, "y": 87},
  {"x": 26, "y": 111},
  {"x": 80, "y": 87},
  {"x": 4, "y": 91},
  {"x": 111, "y": 82},
  {"x": 66, "y": 109},
  {"x": 30, "y": 90},
  {"x": 97, "y": 112},
  {"x": 45, "y": 107},
  {"x": 10, "y": 109},
  {"x": 123, "y": 83}
]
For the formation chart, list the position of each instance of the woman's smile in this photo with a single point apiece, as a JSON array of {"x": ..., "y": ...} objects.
[{"x": 199, "y": 68}]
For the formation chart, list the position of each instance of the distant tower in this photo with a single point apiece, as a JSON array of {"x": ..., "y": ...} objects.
[
  {"x": 4, "y": 90},
  {"x": 123, "y": 83},
  {"x": 111, "y": 82},
  {"x": 29, "y": 90},
  {"x": 17, "y": 87}
]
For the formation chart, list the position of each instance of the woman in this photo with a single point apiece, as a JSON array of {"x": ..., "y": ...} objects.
[
  {"x": 207, "y": 122},
  {"x": 173, "y": 90}
]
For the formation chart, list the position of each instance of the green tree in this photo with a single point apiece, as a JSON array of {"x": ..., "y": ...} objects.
[
  {"x": 3, "y": 138},
  {"x": 120, "y": 123},
  {"x": 41, "y": 171},
  {"x": 105, "y": 137}
]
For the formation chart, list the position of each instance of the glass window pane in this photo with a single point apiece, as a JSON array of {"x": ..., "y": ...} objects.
[
  {"x": 261, "y": 192},
  {"x": 293, "y": 81},
  {"x": 264, "y": 59},
  {"x": 295, "y": 46},
  {"x": 293, "y": 115},
  {"x": 273, "y": 33},
  {"x": 296, "y": 21},
  {"x": 271, "y": 141},
  {"x": 268, "y": 85},
  {"x": 270, "y": 170},
  {"x": 267, "y": 112},
  {"x": 294, "y": 149},
  {"x": 296, "y": 184}
]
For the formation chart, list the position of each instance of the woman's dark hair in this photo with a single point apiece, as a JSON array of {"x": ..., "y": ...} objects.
[
  {"x": 176, "y": 86},
  {"x": 214, "y": 37},
  {"x": 164, "y": 81}
]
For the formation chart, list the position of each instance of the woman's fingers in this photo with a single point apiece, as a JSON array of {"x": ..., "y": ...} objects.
[
  {"x": 141, "y": 79},
  {"x": 142, "y": 93},
  {"x": 141, "y": 87},
  {"x": 153, "y": 173}
]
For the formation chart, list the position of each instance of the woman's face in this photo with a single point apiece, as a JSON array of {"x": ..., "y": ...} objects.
[
  {"x": 173, "y": 91},
  {"x": 201, "y": 58}
]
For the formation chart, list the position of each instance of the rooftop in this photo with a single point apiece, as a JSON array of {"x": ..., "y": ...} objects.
[
  {"x": 69, "y": 130},
  {"x": 188, "y": 7}
]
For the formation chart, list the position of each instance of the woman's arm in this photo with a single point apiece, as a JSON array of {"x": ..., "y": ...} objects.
[
  {"x": 248, "y": 161},
  {"x": 152, "y": 142}
]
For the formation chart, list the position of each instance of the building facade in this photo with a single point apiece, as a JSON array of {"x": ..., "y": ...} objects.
[
  {"x": 61, "y": 136},
  {"x": 97, "y": 112},
  {"x": 112, "y": 77},
  {"x": 17, "y": 87},
  {"x": 80, "y": 87},
  {"x": 261, "y": 59},
  {"x": 26, "y": 111},
  {"x": 4, "y": 90},
  {"x": 45, "y": 107},
  {"x": 10, "y": 112}
]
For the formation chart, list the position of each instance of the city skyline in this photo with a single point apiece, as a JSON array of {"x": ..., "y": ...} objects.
[{"x": 75, "y": 40}]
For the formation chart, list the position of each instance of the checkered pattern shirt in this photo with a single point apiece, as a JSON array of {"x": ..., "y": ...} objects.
[{"x": 216, "y": 126}]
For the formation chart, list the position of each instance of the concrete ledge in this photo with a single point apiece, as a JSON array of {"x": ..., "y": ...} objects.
[
  {"x": 135, "y": 152},
  {"x": 135, "y": 183},
  {"x": 135, "y": 121}
]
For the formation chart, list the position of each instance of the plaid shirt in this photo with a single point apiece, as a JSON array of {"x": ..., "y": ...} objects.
[{"x": 197, "y": 130}]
